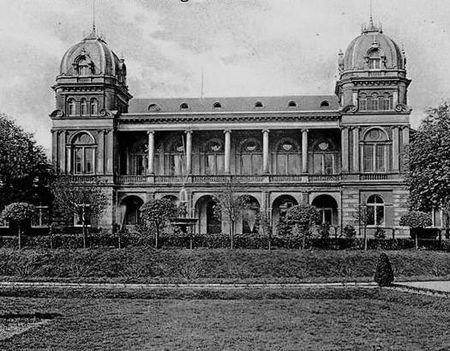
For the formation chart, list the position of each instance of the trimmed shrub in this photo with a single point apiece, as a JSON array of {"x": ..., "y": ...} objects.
[
  {"x": 384, "y": 275},
  {"x": 349, "y": 231}
]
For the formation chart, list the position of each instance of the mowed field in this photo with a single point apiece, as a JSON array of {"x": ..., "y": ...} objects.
[{"x": 322, "y": 319}]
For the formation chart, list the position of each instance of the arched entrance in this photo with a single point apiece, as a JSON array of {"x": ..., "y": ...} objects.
[
  {"x": 130, "y": 210},
  {"x": 280, "y": 206},
  {"x": 250, "y": 220},
  {"x": 328, "y": 209},
  {"x": 208, "y": 223}
]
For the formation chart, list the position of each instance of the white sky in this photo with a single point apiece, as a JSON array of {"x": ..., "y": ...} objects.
[{"x": 246, "y": 47}]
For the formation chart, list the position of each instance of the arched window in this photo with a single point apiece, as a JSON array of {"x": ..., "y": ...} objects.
[
  {"x": 217, "y": 105},
  {"x": 83, "y": 107},
  {"x": 287, "y": 157},
  {"x": 375, "y": 150},
  {"x": 324, "y": 157},
  {"x": 83, "y": 154},
  {"x": 138, "y": 158},
  {"x": 175, "y": 157},
  {"x": 363, "y": 102},
  {"x": 94, "y": 106},
  {"x": 374, "y": 102},
  {"x": 184, "y": 106},
  {"x": 386, "y": 102},
  {"x": 375, "y": 210},
  {"x": 213, "y": 157},
  {"x": 250, "y": 157},
  {"x": 292, "y": 104},
  {"x": 324, "y": 103},
  {"x": 258, "y": 104},
  {"x": 71, "y": 106}
]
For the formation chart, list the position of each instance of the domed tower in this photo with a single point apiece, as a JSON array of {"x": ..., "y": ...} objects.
[
  {"x": 372, "y": 90},
  {"x": 91, "y": 81},
  {"x": 91, "y": 92},
  {"x": 372, "y": 74}
]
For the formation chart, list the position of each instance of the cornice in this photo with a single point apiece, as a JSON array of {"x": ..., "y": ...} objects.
[{"x": 226, "y": 117}]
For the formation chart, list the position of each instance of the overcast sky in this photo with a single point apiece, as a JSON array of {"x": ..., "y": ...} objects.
[{"x": 246, "y": 47}]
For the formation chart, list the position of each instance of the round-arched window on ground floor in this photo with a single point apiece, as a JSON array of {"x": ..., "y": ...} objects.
[{"x": 328, "y": 209}]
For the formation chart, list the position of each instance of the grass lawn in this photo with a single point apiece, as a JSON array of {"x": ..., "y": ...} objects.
[{"x": 341, "y": 319}]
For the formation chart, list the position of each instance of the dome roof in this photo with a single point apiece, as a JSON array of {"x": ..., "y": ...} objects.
[
  {"x": 91, "y": 56},
  {"x": 372, "y": 41}
]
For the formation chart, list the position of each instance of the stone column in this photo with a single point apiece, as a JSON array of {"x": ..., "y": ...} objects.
[
  {"x": 227, "y": 151},
  {"x": 265, "y": 151},
  {"x": 405, "y": 135},
  {"x": 344, "y": 149},
  {"x": 304, "y": 150},
  {"x": 63, "y": 151},
  {"x": 356, "y": 149},
  {"x": 188, "y": 151},
  {"x": 395, "y": 149},
  {"x": 151, "y": 151},
  {"x": 110, "y": 151},
  {"x": 101, "y": 152},
  {"x": 55, "y": 148}
]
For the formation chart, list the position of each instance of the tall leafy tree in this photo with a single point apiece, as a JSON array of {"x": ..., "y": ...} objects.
[
  {"x": 230, "y": 206},
  {"x": 24, "y": 167},
  {"x": 303, "y": 217},
  {"x": 429, "y": 161},
  {"x": 159, "y": 213},
  {"x": 85, "y": 201}
]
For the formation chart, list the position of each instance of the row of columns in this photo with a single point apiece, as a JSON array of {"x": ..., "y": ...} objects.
[{"x": 227, "y": 151}]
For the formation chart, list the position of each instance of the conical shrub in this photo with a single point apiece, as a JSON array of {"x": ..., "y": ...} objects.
[{"x": 384, "y": 275}]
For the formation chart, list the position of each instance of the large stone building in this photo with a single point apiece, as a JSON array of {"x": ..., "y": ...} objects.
[{"x": 338, "y": 152}]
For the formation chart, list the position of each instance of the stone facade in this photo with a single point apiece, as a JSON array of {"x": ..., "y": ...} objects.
[{"x": 338, "y": 152}]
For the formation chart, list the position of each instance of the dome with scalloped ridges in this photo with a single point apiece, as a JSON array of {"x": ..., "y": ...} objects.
[
  {"x": 373, "y": 50},
  {"x": 92, "y": 56}
]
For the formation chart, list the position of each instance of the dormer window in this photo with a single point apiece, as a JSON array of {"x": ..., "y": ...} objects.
[
  {"x": 184, "y": 106},
  {"x": 217, "y": 105},
  {"x": 258, "y": 104},
  {"x": 374, "y": 63},
  {"x": 374, "y": 59},
  {"x": 324, "y": 103},
  {"x": 292, "y": 104}
]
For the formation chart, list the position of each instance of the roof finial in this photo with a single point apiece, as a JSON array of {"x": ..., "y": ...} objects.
[
  {"x": 370, "y": 15},
  {"x": 93, "y": 16}
]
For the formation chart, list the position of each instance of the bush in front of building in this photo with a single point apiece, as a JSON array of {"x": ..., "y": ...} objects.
[{"x": 384, "y": 275}]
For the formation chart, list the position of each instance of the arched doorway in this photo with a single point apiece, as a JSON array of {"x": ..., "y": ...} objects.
[
  {"x": 208, "y": 223},
  {"x": 130, "y": 210},
  {"x": 280, "y": 206},
  {"x": 250, "y": 212},
  {"x": 328, "y": 209}
]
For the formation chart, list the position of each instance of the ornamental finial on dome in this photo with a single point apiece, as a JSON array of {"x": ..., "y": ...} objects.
[{"x": 371, "y": 27}]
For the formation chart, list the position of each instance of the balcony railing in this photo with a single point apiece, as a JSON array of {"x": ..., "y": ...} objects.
[
  {"x": 221, "y": 179},
  {"x": 126, "y": 179},
  {"x": 378, "y": 176}
]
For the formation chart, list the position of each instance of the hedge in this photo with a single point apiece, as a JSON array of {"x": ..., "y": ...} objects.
[
  {"x": 143, "y": 264},
  {"x": 217, "y": 241}
]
